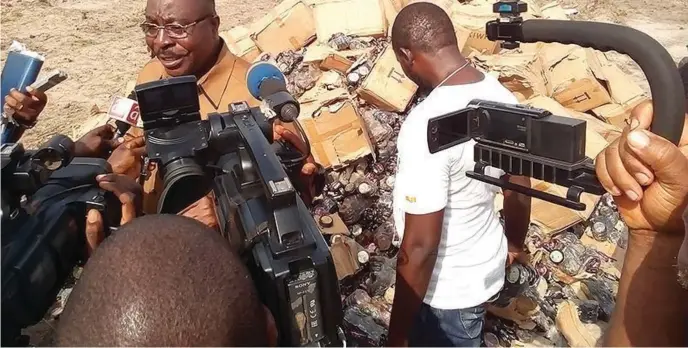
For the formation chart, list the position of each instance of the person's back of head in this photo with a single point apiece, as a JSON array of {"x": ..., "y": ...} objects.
[
  {"x": 425, "y": 44},
  {"x": 164, "y": 280},
  {"x": 423, "y": 27}
]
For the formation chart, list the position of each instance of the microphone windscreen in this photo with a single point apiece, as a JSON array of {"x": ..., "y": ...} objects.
[{"x": 262, "y": 71}]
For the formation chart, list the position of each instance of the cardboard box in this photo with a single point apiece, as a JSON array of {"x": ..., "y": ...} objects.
[
  {"x": 553, "y": 11},
  {"x": 238, "y": 40},
  {"x": 474, "y": 42},
  {"x": 334, "y": 128},
  {"x": 351, "y": 17},
  {"x": 391, "y": 8},
  {"x": 289, "y": 26},
  {"x": 446, "y": 5},
  {"x": 570, "y": 80},
  {"x": 328, "y": 58},
  {"x": 552, "y": 218},
  {"x": 521, "y": 73},
  {"x": 386, "y": 86},
  {"x": 616, "y": 114},
  {"x": 625, "y": 93}
]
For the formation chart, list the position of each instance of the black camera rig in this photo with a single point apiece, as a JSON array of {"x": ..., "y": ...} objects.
[
  {"x": 45, "y": 196},
  {"x": 258, "y": 209},
  {"x": 532, "y": 142}
]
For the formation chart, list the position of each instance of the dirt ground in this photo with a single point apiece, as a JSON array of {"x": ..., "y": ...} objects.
[{"x": 99, "y": 44}]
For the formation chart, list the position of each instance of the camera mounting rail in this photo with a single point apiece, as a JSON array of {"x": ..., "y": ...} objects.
[{"x": 522, "y": 141}]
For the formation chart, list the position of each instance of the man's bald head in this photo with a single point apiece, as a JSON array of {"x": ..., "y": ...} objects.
[{"x": 164, "y": 280}]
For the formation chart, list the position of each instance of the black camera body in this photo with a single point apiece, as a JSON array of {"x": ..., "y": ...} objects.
[
  {"x": 45, "y": 197},
  {"x": 259, "y": 211}
]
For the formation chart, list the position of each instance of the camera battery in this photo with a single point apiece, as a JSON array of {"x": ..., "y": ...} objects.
[{"x": 305, "y": 306}]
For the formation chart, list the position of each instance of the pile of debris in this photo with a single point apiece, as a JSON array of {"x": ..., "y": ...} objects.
[{"x": 354, "y": 96}]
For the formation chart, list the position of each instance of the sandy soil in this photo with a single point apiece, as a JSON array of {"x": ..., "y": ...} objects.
[{"x": 99, "y": 44}]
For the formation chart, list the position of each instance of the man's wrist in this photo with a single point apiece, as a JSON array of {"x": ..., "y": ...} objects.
[{"x": 657, "y": 249}]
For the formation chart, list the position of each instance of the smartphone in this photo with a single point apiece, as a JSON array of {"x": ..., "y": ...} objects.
[{"x": 49, "y": 80}]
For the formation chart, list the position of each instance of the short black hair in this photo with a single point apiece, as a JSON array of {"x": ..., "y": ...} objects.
[
  {"x": 164, "y": 280},
  {"x": 423, "y": 26}
]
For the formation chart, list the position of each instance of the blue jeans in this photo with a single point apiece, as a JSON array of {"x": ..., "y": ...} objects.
[{"x": 447, "y": 327}]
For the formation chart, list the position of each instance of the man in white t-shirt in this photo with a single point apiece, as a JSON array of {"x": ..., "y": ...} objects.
[{"x": 454, "y": 250}]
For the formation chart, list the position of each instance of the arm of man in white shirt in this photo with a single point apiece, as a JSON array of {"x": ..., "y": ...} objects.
[
  {"x": 516, "y": 216},
  {"x": 424, "y": 188}
]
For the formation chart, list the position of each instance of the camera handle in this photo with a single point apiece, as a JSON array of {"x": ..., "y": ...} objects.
[{"x": 668, "y": 96}]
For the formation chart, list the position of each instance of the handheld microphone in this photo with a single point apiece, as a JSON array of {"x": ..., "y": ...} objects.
[
  {"x": 125, "y": 112},
  {"x": 266, "y": 82}
]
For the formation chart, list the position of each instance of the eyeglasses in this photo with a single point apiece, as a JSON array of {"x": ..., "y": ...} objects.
[{"x": 175, "y": 31}]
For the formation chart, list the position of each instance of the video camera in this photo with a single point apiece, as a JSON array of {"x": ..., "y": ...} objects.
[
  {"x": 45, "y": 197},
  {"x": 532, "y": 142},
  {"x": 258, "y": 208}
]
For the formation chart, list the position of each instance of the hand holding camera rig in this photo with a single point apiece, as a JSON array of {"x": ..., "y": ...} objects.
[
  {"x": 532, "y": 142},
  {"x": 259, "y": 211}
]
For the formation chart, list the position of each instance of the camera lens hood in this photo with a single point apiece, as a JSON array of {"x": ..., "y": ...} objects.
[{"x": 185, "y": 182}]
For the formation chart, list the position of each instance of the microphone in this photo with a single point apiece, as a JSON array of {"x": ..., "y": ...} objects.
[
  {"x": 266, "y": 82},
  {"x": 125, "y": 112}
]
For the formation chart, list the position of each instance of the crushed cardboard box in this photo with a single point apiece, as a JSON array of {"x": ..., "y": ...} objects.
[
  {"x": 387, "y": 87},
  {"x": 553, "y": 10},
  {"x": 570, "y": 80},
  {"x": 350, "y": 17},
  {"x": 289, "y": 26},
  {"x": 624, "y": 92},
  {"x": 238, "y": 40},
  {"x": 334, "y": 128},
  {"x": 521, "y": 73}
]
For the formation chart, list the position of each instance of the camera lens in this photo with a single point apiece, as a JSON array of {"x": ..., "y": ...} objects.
[
  {"x": 185, "y": 183},
  {"x": 56, "y": 153}
]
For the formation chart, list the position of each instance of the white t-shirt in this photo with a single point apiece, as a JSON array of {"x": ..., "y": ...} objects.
[{"x": 472, "y": 253}]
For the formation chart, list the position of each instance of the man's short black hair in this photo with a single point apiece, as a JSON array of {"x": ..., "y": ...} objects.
[
  {"x": 423, "y": 26},
  {"x": 164, "y": 280}
]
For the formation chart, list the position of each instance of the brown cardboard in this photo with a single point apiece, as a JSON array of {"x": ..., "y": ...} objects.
[
  {"x": 616, "y": 114},
  {"x": 386, "y": 86},
  {"x": 344, "y": 252},
  {"x": 474, "y": 41},
  {"x": 391, "y": 8},
  {"x": 553, "y": 11},
  {"x": 238, "y": 40},
  {"x": 328, "y": 58},
  {"x": 570, "y": 80},
  {"x": 338, "y": 226},
  {"x": 289, "y": 26},
  {"x": 446, "y": 5},
  {"x": 521, "y": 73},
  {"x": 334, "y": 128},
  {"x": 351, "y": 17},
  {"x": 625, "y": 94},
  {"x": 552, "y": 218},
  {"x": 337, "y": 62}
]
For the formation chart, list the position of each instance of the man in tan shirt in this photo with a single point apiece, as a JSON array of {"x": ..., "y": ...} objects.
[{"x": 183, "y": 37}]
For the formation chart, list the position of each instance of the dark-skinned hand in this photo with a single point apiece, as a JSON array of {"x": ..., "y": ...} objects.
[
  {"x": 126, "y": 159},
  {"x": 129, "y": 193},
  {"x": 98, "y": 142},
  {"x": 25, "y": 107}
]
